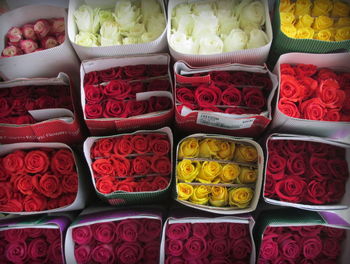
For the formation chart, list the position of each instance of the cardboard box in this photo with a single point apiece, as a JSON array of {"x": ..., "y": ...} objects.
[
  {"x": 84, "y": 53},
  {"x": 246, "y": 125}
]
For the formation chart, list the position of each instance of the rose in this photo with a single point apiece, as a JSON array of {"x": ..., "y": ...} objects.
[
  {"x": 37, "y": 249},
  {"x": 276, "y": 166},
  {"x": 102, "y": 148},
  {"x": 110, "y": 74},
  {"x": 151, "y": 230},
  {"x": 208, "y": 147},
  {"x": 91, "y": 78},
  {"x": 226, "y": 150},
  {"x": 70, "y": 183},
  {"x": 195, "y": 247},
  {"x": 14, "y": 35},
  {"x": 246, "y": 154},
  {"x": 340, "y": 9},
  {"x": 103, "y": 232},
  {"x": 290, "y": 248},
  {"x": 82, "y": 235},
  {"x": 338, "y": 168},
  {"x": 160, "y": 146},
  {"x": 129, "y": 230},
  {"x": 129, "y": 253},
  {"x": 231, "y": 96},
  {"x": 302, "y": 7},
  {"x": 12, "y": 235},
  {"x": 219, "y": 196},
  {"x": 118, "y": 89},
  {"x": 174, "y": 247},
  {"x": 307, "y": 231},
  {"x": 141, "y": 165},
  {"x": 312, "y": 247},
  {"x": 103, "y": 253},
  {"x": 290, "y": 88},
  {"x": 331, "y": 247},
  {"x": 140, "y": 143},
  {"x": 269, "y": 249},
  {"x": 251, "y": 14},
  {"x": 10, "y": 51},
  {"x": 313, "y": 109},
  {"x": 330, "y": 94},
  {"x": 253, "y": 98},
  {"x": 87, "y": 19},
  {"x": 174, "y": 260},
  {"x": 28, "y": 45},
  {"x": 321, "y": 8},
  {"x": 189, "y": 148},
  {"x": 103, "y": 167},
  {"x": 291, "y": 189},
  {"x": 105, "y": 184},
  {"x": 82, "y": 254},
  {"x": 41, "y": 28},
  {"x": 289, "y": 30},
  {"x": 332, "y": 115},
  {"x": 305, "y": 33},
  {"x": 5, "y": 108},
  {"x": 209, "y": 44},
  {"x": 324, "y": 35},
  {"x": 45, "y": 101},
  {"x": 335, "y": 191},
  {"x": 257, "y": 38},
  {"x": 62, "y": 162},
  {"x": 159, "y": 103},
  {"x": 248, "y": 175},
  {"x": 134, "y": 108},
  {"x": 160, "y": 182},
  {"x": 123, "y": 146},
  {"x": 240, "y": 197},
  {"x": 93, "y": 111},
  {"x": 229, "y": 173},
  {"x": 296, "y": 165},
  {"x": 333, "y": 232},
  {"x": 34, "y": 203},
  {"x": 241, "y": 248},
  {"x": 24, "y": 184},
  {"x": 34, "y": 232},
  {"x": 207, "y": 96},
  {"x": 93, "y": 93},
  {"x": 178, "y": 231},
  {"x": 55, "y": 251},
  {"x": 237, "y": 231},
  {"x": 317, "y": 191},
  {"x": 304, "y": 21},
  {"x": 186, "y": 96},
  {"x": 87, "y": 39},
  {"x": 151, "y": 252},
  {"x": 109, "y": 33},
  {"x": 135, "y": 71},
  {"x": 200, "y": 229},
  {"x": 114, "y": 109},
  {"x": 161, "y": 165},
  {"x": 184, "y": 191},
  {"x": 158, "y": 85},
  {"x": 181, "y": 43},
  {"x": 121, "y": 166},
  {"x": 125, "y": 186},
  {"x": 12, "y": 206},
  {"x": 188, "y": 170},
  {"x": 209, "y": 171},
  {"x": 236, "y": 40},
  {"x": 319, "y": 166},
  {"x": 14, "y": 162},
  {"x": 16, "y": 252},
  {"x": 48, "y": 42},
  {"x": 36, "y": 161}
]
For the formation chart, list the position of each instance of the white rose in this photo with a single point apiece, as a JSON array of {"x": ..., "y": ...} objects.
[
  {"x": 227, "y": 23},
  {"x": 238, "y": 9},
  {"x": 205, "y": 25},
  {"x": 186, "y": 24},
  {"x": 135, "y": 31},
  {"x": 155, "y": 25},
  {"x": 179, "y": 42},
  {"x": 252, "y": 14},
  {"x": 126, "y": 14},
  {"x": 105, "y": 15},
  {"x": 110, "y": 34},
  {"x": 87, "y": 39},
  {"x": 131, "y": 40},
  {"x": 257, "y": 39},
  {"x": 148, "y": 37},
  {"x": 199, "y": 8},
  {"x": 236, "y": 40},
  {"x": 87, "y": 19},
  {"x": 209, "y": 44},
  {"x": 149, "y": 8},
  {"x": 227, "y": 5},
  {"x": 179, "y": 11}
]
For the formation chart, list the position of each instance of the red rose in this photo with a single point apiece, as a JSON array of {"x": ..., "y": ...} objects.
[
  {"x": 5, "y": 108},
  {"x": 319, "y": 166},
  {"x": 331, "y": 247},
  {"x": 82, "y": 235},
  {"x": 312, "y": 247},
  {"x": 291, "y": 189},
  {"x": 34, "y": 232},
  {"x": 102, "y": 148},
  {"x": 103, "y": 167},
  {"x": 326, "y": 73},
  {"x": 269, "y": 249},
  {"x": 125, "y": 186},
  {"x": 93, "y": 94},
  {"x": 160, "y": 146},
  {"x": 332, "y": 115},
  {"x": 218, "y": 230},
  {"x": 157, "y": 69},
  {"x": 220, "y": 76},
  {"x": 93, "y": 111},
  {"x": 114, "y": 109},
  {"x": 186, "y": 96},
  {"x": 137, "y": 87},
  {"x": 135, "y": 108},
  {"x": 104, "y": 232},
  {"x": 141, "y": 165},
  {"x": 161, "y": 165},
  {"x": 200, "y": 229},
  {"x": 287, "y": 69},
  {"x": 231, "y": 96},
  {"x": 178, "y": 231},
  {"x": 48, "y": 184},
  {"x": 110, "y": 74},
  {"x": 311, "y": 86},
  {"x": 276, "y": 166},
  {"x": 62, "y": 162},
  {"x": 237, "y": 231},
  {"x": 269, "y": 187},
  {"x": 123, "y": 146},
  {"x": 103, "y": 253},
  {"x": 14, "y": 162},
  {"x": 46, "y": 101},
  {"x": 144, "y": 186},
  {"x": 121, "y": 166},
  {"x": 135, "y": 71},
  {"x": 36, "y": 161},
  {"x": 37, "y": 249},
  {"x": 207, "y": 96},
  {"x": 52, "y": 234},
  {"x": 16, "y": 252},
  {"x": 174, "y": 260},
  {"x": 262, "y": 80},
  {"x": 129, "y": 230},
  {"x": 290, "y": 248},
  {"x": 307, "y": 231},
  {"x": 34, "y": 203},
  {"x": 12, "y": 235},
  {"x": 313, "y": 109},
  {"x": 334, "y": 232},
  {"x": 160, "y": 183},
  {"x": 5, "y": 193},
  {"x": 305, "y": 69},
  {"x": 330, "y": 94},
  {"x": 240, "y": 78},
  {"x": 296, "y": 164},
  {"x": 195, "y": 248},
  {"x": 151, "y": 230},
  {"x": 335, "y": 190},
  {"x": 70, "y": 183},
  {"x": 105, "y": 184},
  {"x": 254, "y": 98},
  {"x": 117, "y": 89},
  {"x": 82, "y": 254},
  {"x": 129, "y": 253},
  {"x": 140, "y": 143},
  {"x": 174, "y": 247},
  {"x": 159, "y": 103},
  {"x": 241, "y": 248},
  {"x": 291, "y": 89},
  {"x": 91, "y": 78},
  {"x": 12, "y": 206},
  {"x": 19, "y": 91},
  {"x": 158, "y": 85},
  {"x": 219, "y": 247},
  {"x": 338, "y": 168},
  {"x": 151, "y": 252},
  {"x": 317, "y": 192},
  {"x": 24, "y": 184}
]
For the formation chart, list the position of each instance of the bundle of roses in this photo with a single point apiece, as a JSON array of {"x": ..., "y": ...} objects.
[
  {"x": 305, "y": 172},
  {"x": 313, "y": 93},
  {"x": 324, "y": 20},
  {"x": 131, "y": 163},
  {"x": 215, "y": 27},
  {"x": 217, "y": 172},
  {"x": 16, "y": 102},
  {"x": 233, "y": 92},
  {"x": 31, "y": 245},
  {"x": 128, "y": 241},
  {"x": 217, "y": 243},
  {"x": 38, "y": 179},
  {"x": 111, "y": 93},
  {"x": 36, "y": 36},
  {"x": 301, "y": 244}
]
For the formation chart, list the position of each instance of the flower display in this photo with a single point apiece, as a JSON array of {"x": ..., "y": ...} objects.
[
  {"x": 17, "y": 102},
  {"x": 130, "y": 22},
  {"x": 34, "y": 36},
  {"x": 34, "y": 245},
  {"x": 323, "y": 20},
  {"x": 222, "y": 242},
  {"x": 111, "y": 93},
  {"x": 301, "y": 244},
  {"x": 125, "y": 241},
  {"x": 312, "y": 93},
  {"x": 131, "y": 163},
  {"x": 216, "y": 172},
  {"x": 215, "y": 27},
  {"x": 37, "y": 180},
  {"x": 305, "y": 172}
]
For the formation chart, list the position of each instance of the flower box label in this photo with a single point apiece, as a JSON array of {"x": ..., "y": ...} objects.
[{"x": 223, "y": 122}]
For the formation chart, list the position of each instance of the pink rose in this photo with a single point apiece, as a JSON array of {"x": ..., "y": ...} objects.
[
  {"x": 82, "y": 235},
  {"x": 174, "y": 247},
  {"x": 219, "y": 247},
  {"x": 16, "y": 234},
  {"x": 10, "y": 51},
  {"x": 14, "y": 35},
  {"x": 174, "y": 260},
  {"x": 41, "y": 28},
  {"x": 103, "y": 232},
  {"x": 52, "y": 234},
  {"x": 28, "y": 32},
  {"x": 129, "y": 253},
  {"x": 103, "y": 253},
  {"x": 57, "y": 25},
  {"x": 237, "y": 231},
  {"x": 48, "y": 42},
  {"x": 178, "y": 231},
  {"x": 37, "y": 249},
  {"x": 218, "y": 230},
  {"x": 16, "y": 252},
  {"x": 82, "y": 254},
  {"x": 200, "y": 229},
  {"x": 28, "y": 45},
  {"x": 61, "y": 38},
  {"x": 269, "y": 249},
  {"x": 195, "y": 248}
]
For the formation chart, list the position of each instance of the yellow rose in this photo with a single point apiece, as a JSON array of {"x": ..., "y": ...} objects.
[
  {"x": 287, "y": 6},
  {"x": 246, "y": 154},
  {"x": 208, "y": 147},
  {"x": 209, "y": 171},
  {"x": 304, "y": 21},
  {"x": 219, "y": 196},
  {"x": 184, "y": 191},
  {"x": 189, "y": 148},
  {"x": 305, "y": 33},
  {"x": 324, "y": 35},
  {"x": 240, "y": 197},
  {"x": 340, "y": 9},
  {"x": 226, "y": 150},
  {"x": 289, "y": 30},
  {"x": 188, "y": 170},
  {"x": 342, "y": 34},
  {"x": 229, "y": 173},
  {"x": 321, "y": 8},
  {"x": 248, "y": 175},
  {"x": 200, "y": 194},
  {"x": 287, "y": 18},
  {"x": 343, "y": 21},
  {"x": 302, "y": 7},
  {"x": 323, "y": 22}
]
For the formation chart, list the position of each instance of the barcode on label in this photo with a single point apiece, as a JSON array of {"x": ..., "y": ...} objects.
[{"x": 223, "y": 122}]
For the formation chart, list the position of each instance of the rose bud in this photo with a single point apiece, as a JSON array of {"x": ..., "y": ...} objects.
[
  {"x": 28, "y": 45},
  {"x": 14, "y": 34},
  {"x": 11, "y": 51},
  {"x": 28, "y": 32},
  {"x": 60, "y": 38},
  {"x": 42, "y": 27},
  {"x": 49, "y": 42},
  {"x": 57, "y": 26}
]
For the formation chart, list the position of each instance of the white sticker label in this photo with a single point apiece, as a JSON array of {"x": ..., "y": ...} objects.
[{"x": 223, "y": 122}]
